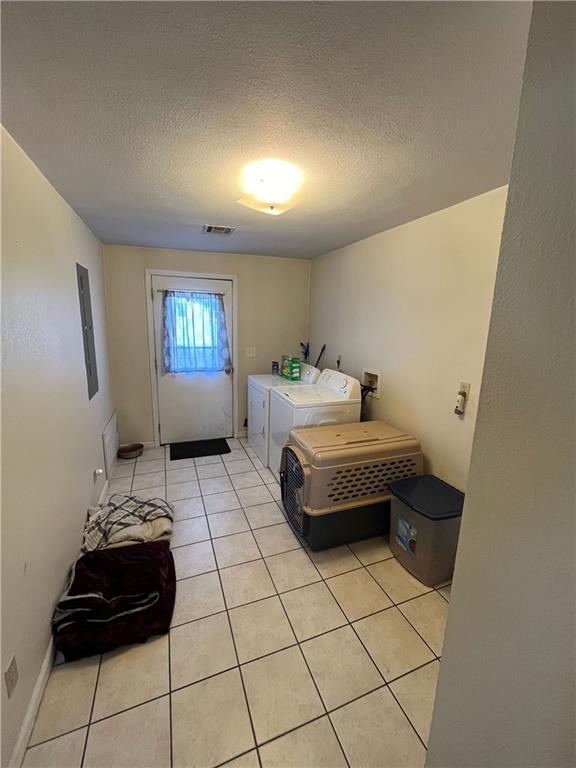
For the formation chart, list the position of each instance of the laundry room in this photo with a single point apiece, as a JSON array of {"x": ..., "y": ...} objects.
[{"x": 287, "y": 355}]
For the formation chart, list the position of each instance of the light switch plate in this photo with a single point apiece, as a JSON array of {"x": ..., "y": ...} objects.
[
  {"x": 250, "y": 351},
  {"x": 462, "y": 399}
]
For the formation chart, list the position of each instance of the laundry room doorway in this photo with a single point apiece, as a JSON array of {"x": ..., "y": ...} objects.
[{"x": 192, "y": 341}]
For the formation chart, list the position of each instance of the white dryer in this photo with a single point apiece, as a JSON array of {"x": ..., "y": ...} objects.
[
  {"x": 334, "y": 399},
  {"x": 259, "y": 387}
]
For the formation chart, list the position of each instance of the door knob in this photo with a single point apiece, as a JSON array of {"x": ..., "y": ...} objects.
[{"x": 228, "y": 370}]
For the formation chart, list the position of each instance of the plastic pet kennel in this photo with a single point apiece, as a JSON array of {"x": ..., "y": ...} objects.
[{"x": 334, "y": 479}]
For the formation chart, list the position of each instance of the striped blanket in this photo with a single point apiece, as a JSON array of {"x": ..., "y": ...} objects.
[
  {"x": 127, "y": 520},
  {"x": 96, "y": 608}
]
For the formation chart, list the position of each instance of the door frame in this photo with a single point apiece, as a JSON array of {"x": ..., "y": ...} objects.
[{"x": 151, "y": 340}]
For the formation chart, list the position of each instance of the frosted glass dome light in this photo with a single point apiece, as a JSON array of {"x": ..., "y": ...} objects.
[{"x": 272, "y": 181}]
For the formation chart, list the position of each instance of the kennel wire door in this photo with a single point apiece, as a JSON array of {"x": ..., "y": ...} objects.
[{"x": 292, "y": 482}]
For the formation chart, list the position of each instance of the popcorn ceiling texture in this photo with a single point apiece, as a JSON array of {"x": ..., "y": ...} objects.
[{"x": 143, "y": 114}]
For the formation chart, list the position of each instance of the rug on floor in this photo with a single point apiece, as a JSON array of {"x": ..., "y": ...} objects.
[{"x": 193, "y": 449}]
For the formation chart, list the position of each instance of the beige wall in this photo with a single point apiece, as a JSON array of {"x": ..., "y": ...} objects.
[
  {"x": 413, "y": 303},
  {"x": 51, "y": 433},
  {"x": 506, "y": 689},
  {"x": 272, "y": 316}
]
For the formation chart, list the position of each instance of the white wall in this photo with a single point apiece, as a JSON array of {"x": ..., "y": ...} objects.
[
  {"x": 506, "y": 689},
  {"x": 272, "y": 316},
  {"x": 414, "y": 303},
  {"x": 51, "y": 433}
]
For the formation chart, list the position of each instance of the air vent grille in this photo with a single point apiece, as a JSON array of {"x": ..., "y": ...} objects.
[{"x": 218, "y": 229}]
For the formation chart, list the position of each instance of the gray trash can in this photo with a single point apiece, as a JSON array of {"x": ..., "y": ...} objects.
[{"x": 424, "y": 526}]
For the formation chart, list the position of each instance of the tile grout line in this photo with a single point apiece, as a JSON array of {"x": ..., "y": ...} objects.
[
  {"x": 360, "y": 639},
  {"x": 302, "y": 654},
  {"x": 57, "y": 736},
  {"x": 442, "y": 595},
  {"x": 226, "y": 511},
  {"x": 410, "y": 671},
  {"x": 171, "y": 742},
  {"x": 235, "y": 533},
  {"x": 237, "y": 657},
  {"x": 319, "y": 717},
  {"x": 237, "y": 757},
  {"x": 394, "y": 605},
  {"x": 387, "y": 683},
  {"x": 215, "y": 674},
  {"x": 122, "y": 711},
  {"x": 229, "y": 535},
  {"x": 89, "y": 724},
  {"x": 271, "y": 653},
  {"x": 403, "y": 602},
  {"x": 321, "y": 578},
  {"x": 238, "y": 666},
  {"x": 409, "y": 720},
  {"x": 347, "y": 623},
  {"x": 297, "y": 728}
]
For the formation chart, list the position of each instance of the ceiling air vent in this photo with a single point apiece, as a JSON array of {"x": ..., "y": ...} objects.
[{"x": 217, "y": 229}]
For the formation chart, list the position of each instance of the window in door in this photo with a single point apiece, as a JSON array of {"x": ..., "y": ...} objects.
[{"x": 195, "y": 337}]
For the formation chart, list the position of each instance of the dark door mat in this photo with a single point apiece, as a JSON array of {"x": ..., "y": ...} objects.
[{"x": 196, "y": 448}]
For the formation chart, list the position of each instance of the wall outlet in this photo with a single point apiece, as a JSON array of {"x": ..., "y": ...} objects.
[
  {"x": 11, "y": 676},
  {"x": 250, "y": 351}
]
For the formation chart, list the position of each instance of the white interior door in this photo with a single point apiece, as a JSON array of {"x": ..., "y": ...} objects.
[{"x": 198, "y": 405}]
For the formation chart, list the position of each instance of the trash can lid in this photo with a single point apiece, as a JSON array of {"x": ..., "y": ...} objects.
[{"x": 429, "y": 496}]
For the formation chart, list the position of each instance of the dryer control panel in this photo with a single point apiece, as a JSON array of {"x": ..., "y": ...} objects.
[{"x": 346, "y": 386}]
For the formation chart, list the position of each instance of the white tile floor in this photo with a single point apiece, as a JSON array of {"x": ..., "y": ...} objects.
[{"x": 278, "y": 657}]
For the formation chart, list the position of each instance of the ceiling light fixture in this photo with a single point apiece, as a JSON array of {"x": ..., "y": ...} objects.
[{"x": 271, "y": 186}]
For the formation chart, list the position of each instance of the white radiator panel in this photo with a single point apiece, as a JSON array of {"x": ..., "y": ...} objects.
[{"x": 110, "y": 444}]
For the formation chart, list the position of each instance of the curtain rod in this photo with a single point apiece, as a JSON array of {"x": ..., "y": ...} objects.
[{"x": 179, "y": 290}]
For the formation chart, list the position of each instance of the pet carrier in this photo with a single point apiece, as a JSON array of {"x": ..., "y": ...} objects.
[{"x": 334, "y": 479}]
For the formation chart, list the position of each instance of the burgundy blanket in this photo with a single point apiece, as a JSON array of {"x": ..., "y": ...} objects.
[{"x": 115, "y": 597}]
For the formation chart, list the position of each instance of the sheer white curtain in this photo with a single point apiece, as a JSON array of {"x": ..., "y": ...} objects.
[{"x": 195, "y": 335}]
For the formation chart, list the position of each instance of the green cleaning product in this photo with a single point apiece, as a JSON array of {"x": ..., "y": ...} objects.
[{"x": 290, "y": 368}]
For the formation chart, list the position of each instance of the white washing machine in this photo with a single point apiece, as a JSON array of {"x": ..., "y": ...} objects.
[
  {"x": 259, "y": 387},
  {"x": 334, "y": 399}
]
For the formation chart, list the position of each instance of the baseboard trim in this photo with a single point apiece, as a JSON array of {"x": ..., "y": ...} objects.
[
  {"x": 33, "y": 706},
  {"x": 145, "y": 444},
  {"x": 152, "y": 444}
]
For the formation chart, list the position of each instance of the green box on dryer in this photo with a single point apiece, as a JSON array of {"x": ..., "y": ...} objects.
[{"x": 290, "y": 368}]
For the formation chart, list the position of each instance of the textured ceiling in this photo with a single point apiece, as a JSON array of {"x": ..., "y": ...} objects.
[{"x": 142, "y": 114}]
